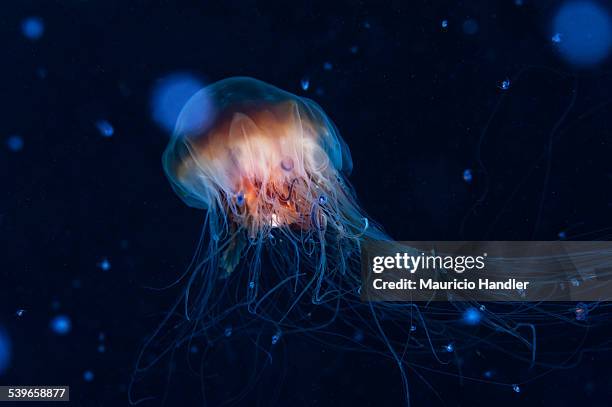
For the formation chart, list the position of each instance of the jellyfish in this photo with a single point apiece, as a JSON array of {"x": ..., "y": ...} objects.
[
  {"x": 270, "y": 170},
  {"x": 283, "y": 228},
  {"x": 282, "y": 240}
]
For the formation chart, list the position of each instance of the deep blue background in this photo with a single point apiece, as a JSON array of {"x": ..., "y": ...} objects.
[{"x": 417, "y": 105}]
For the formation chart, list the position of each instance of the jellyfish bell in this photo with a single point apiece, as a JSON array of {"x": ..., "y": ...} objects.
[{"x": 266, "y": 160}]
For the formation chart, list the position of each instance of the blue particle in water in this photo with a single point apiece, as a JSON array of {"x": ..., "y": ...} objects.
[
  {"x": 518, "y": 2},
  {"x": 305, "y": 84},
  {"x": 470, "y": 26},
  {"x": 105, "y": 128},
  {"x": 516, "y": 388},
  {"x": 328, "y": 66},
  {"x": 15, "y": 143},
  {"x": 413, "y": 328},
  {"x": 33, "y": 28},
  {"x": 5, "y": 351},
  {"x": 358, "y": 336},
  {"x": 20, "y": 312},
  {"x": 582, "y": 31},
  {"x": 581, "y": 311},
  {"x": 104, "y": 265},
  {"x": 444, "y": 24},
  {"x": 193, "y": 349},
  {"x": 101, "y": 348},
  {"x": 88, "y": 376},
  {"x": 170, "y": 98},
  {"x": 276, "y": 338},
  {"x": 252, "y": 284},
  {"x": 562, "y": 235},
  {"x": 61, "y": 325},
  {"x": 472, "y": 316},
  {"x": 240, "y": 198},
  {"x": 228, "y": 331},
  {"x": 488, "y": 374},
  {"x": 354, "y": 49},
  {"x": 505, "y": 84},
  {"x": 322, "y": 200},
  {"x": 449, "y": 348},
  {"x": 467, "y": 175}
]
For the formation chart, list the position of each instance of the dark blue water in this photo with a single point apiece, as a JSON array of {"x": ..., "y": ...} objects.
[{"x": 88, "y": 220}]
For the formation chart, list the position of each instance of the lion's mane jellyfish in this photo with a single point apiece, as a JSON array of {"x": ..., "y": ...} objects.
[
  {"x": 280, "y": 250},
  {"x": 269, "y": 168}
]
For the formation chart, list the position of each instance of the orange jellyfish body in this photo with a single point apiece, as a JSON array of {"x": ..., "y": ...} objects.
[
  {"x": 259, "y": 159},
  {"x": 266, "y": 156}
]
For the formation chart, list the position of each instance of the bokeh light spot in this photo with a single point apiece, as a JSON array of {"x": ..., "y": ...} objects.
[
  {"x": 33, "y": 28},
  {"x": 15, "y": 143},
  {"x": 583, "y": 32},
  {"x": 105, "y": 128},
  {"x": 471, "y": 316},
  {"x": 61, "y": 325},
  {"x": 470, "y": 26},
  {"x": 5, "y": 351},
  {"x": 171, "y": 94}
]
